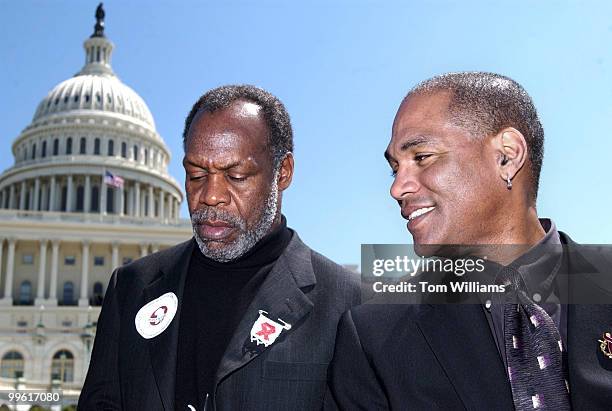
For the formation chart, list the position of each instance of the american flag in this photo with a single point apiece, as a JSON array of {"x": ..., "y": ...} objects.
[{"x": 113, "y": 180}]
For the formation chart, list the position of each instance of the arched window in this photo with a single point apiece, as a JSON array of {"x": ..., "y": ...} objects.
[
  {"x": 56, "y": 146},
  {"x": 135, "y": 149},
  {"x": 62, "y": 366},
  {"x": 146, "y": 156},
  {"x": 69, "y": 146},
  {"x": 12, "y": 365},
  {"x": 97, "y": 146},
  {"x": 43, "y": 154},
  {"x": 25, "y": 293},
  {"x": 83, "y": 146},
  {"x": 33, "y": 151},
  {"x": 68, "y": 293},
  {"x": 98, "y": 294},
  {"x": 124, "y": 150},
  {"x": 95, "y": 199},
  {"x": 80, "y": 198},
  {"x": 111, "y": 148}
]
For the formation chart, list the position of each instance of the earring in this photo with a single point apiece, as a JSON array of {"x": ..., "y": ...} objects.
[{"x": 508, "y": 183}]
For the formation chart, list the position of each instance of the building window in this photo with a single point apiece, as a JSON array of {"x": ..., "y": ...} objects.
[
  {"x": 95, "y": 199},
  {"x": 146, "y": 156},
  {"x": 64, "y": 205},
  {"x": 135, "y": 149},
  {"x": 83, "y": 146},
  {"x": 68, "y": 293},
  {"x": 87, "y": 98},
  {"x": 76, "y": 98},
  {"x": 62, "y": 366},
  {"x": 25, "y": 293},
  {"x": 34, "y": 151},
  {"x": 111, "y": 148},
  {"x": 124, "y": 150},
  {"x": 69, "y": 146},
  {"x": 97, "y": 146},
  {"x": 69, "y": 260},
  {"x": 27, "y": 259},
  {"x": 98, "y": 294},
  {"x": 43, "y": 154},
  {"x": 99, "y": 260},
  {"x": 80, "y": 198},
  {"x": 56, "y": 146},
  {"x": 110, "y": 200},
  {"x": 12, "y": 365}
]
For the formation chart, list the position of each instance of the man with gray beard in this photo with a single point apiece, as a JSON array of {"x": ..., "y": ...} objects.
[{"x": 242, "y": 316}]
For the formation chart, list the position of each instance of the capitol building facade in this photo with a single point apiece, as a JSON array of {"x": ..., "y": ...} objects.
[{"x": 89, "y": 191}]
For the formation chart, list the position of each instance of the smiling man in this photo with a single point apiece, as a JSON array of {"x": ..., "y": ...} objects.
[
  {"x": 242, "y": 316},
  {"x": 466, "y": 152}
]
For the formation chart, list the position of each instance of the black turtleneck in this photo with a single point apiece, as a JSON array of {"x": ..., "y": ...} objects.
[{"x": 215, "y": 298}]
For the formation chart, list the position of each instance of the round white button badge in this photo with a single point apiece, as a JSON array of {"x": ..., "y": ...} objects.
[{"x": 155, "y": 316}]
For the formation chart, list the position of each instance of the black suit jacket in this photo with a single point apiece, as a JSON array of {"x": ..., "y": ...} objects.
[
  {"x": 303, "y": 288},
  {"x": 413, "y": 357}
]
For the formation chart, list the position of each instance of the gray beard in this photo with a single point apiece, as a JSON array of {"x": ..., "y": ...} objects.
[{"x": 248, "y": 237}]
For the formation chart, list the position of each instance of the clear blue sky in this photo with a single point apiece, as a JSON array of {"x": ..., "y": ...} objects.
[{"x": 341, "y": 68}]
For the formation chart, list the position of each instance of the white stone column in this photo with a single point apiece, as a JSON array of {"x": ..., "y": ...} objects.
[
  {"x": 36, "y": 197},
  {"x": 54, "y": 270},
  {"x": 52, "y": 200},
  {"x": 12, "y": 196},
  {"x": 151, "y": 211},
  {"x": 144, "y": 248},
  {"x": 170, "y": 207},
  {"x": 69, "y": 190},
  {"x": 87, "y": 196},
  {"x": 22, "y": 196},
  {"x": 84, "y": 299},
  {"x": 42, "y": 267},
  {"x": 161, "y": 204},
  {"x": 121, "y": 200},
  {"x": 130, "y": 198},
  {"x": 10, "y": 272},
  {"x": 137, "y": 199},
  {"x": 115, "y": 255}
]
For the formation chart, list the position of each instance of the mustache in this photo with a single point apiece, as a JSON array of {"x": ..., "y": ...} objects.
[{"x": 206, "y": 213}]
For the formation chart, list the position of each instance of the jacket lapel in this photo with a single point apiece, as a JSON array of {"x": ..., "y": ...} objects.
[
  {"x": 281, "y": 295},
  {"x": 163, "y": 348},
  {"x": 460, "y": 337}
]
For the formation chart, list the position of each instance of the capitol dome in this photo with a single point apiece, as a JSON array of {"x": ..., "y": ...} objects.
[{"x": 89, "y": 92}]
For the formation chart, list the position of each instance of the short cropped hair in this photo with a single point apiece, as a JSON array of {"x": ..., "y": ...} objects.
[
  {"x": 280, "y": 136},
  {"x": 485, "y": 103}
]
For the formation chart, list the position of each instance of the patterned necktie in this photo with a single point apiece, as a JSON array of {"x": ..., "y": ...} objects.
[{"x": 534, "y": 352}]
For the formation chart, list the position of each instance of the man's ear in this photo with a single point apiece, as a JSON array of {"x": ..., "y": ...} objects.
[
  {"x": 511, "y": 148},
  {"x": 285, "y": 174}
]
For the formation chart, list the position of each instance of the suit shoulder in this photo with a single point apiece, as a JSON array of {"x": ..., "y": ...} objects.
[
  {"x": 384, "y": 321},
  {"x": 145, "y": 268}
]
